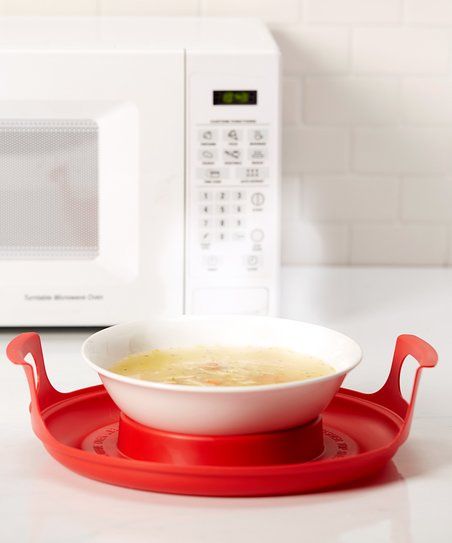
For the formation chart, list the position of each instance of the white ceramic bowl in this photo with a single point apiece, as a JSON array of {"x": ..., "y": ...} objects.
[{"x": 221, "y": 410}]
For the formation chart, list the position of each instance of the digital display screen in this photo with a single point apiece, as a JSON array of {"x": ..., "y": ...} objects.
[{"x": 235, "y": 98}]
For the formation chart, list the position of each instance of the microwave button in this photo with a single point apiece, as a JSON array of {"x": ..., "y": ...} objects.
[
  {"x": 238, "y": 208},
  {"x": 238, "y": 236},
  {"x": 222, "y": 196},
  {"x": 211, "y": 262},
  {"x": 257, "y": 199},
  {"x": 252, "y": 261},
  {"x": 221, "y": 236},
  {"x": 205, "y": 223},
  {"x": 207, "y": 135},
  {"x": 205, "y": 237},
  {"x": 205, "y": 196},
  {"x": 257, "y": 135},
  {"x": 232, "y": 155},
  {"x": 239, "y": 195},
  {"x": 222, "y": 223},
  {"x": 206, "y": 209},
  {"x": 238, "y": 223},
  {"x": 257, "y": 235},
  {"x": 257, "y": 153},
  {"x": 222, "y": 209},
  {"x": 232, "y": 135},
  {"x": 244, "y": 300},
  {"x": 254, "y": 173},
  {"x": 212, "y": 174},
  {"x": 207, "y": 155}
]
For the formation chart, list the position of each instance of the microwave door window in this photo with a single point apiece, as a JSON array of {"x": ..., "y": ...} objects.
[{"x": 48, "y": 189}]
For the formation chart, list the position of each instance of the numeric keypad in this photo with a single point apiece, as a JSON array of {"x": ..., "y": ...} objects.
[{"x": 222, "y": 215}]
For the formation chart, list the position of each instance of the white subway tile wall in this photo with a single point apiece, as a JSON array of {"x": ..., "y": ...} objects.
[
  {"x": 352, "y": 11},
  {"x": 147, "y": 7},
  {"x": 309, "y": 243},
  {"x": 426, "y": 199},
  {"x": 349, "y": 198},
  {"x": 402, "y": 244},
  {"x": 400, "y": 50},
  {"x": 351, "y": 100},
  {"x": 428, "y": 11},
  {"x": 48, "y": 7},
  {"x": 271, "y": 11},
  {"x": 313, "y": 49},
  {"x": 367, "y": 111},
  {"x": 291, "y": 106},
  {"x": 315, "y": 149},
  {"x": 405, "y": 149}
]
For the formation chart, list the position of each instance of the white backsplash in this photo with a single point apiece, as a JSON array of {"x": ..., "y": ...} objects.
[{"x": 368, "y": 120}]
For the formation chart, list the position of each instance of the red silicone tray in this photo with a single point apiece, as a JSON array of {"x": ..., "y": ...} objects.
[{"x": 361, "y": 432}]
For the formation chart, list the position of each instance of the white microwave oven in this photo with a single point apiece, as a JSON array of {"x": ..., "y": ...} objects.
[{"x": 139, "y": 169}]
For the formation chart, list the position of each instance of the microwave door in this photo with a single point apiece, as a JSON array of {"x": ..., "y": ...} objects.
[
  {"x": 69, "y": 182},
  {"x": 91, "y": 187}
]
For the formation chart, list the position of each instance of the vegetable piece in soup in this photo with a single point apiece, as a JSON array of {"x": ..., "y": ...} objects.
[{"x": 222, "y": 366}]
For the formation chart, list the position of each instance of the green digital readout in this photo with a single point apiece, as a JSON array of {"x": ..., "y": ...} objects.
[{"x": 235, "y": 98}]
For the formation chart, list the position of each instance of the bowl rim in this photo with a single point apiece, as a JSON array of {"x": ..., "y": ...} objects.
[{"x": 217, "y": 389}]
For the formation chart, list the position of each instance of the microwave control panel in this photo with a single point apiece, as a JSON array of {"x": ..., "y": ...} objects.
[{"x": 232, "y": 199}]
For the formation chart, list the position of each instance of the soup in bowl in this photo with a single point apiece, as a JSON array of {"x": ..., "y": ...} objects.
[{"x": 221, "y": 375}]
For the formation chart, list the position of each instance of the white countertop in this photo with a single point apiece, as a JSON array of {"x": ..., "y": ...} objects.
[{"x": 43, "y": 502}]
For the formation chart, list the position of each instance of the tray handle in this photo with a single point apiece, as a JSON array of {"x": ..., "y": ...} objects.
[
  {"x": 390, "y": 394},
  {"x": 42, "y": 392}
]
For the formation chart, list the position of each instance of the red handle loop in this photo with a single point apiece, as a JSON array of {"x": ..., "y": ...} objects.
[
  {"x": 41, "y": 390},
  {"x": 390, "y": 394}
]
